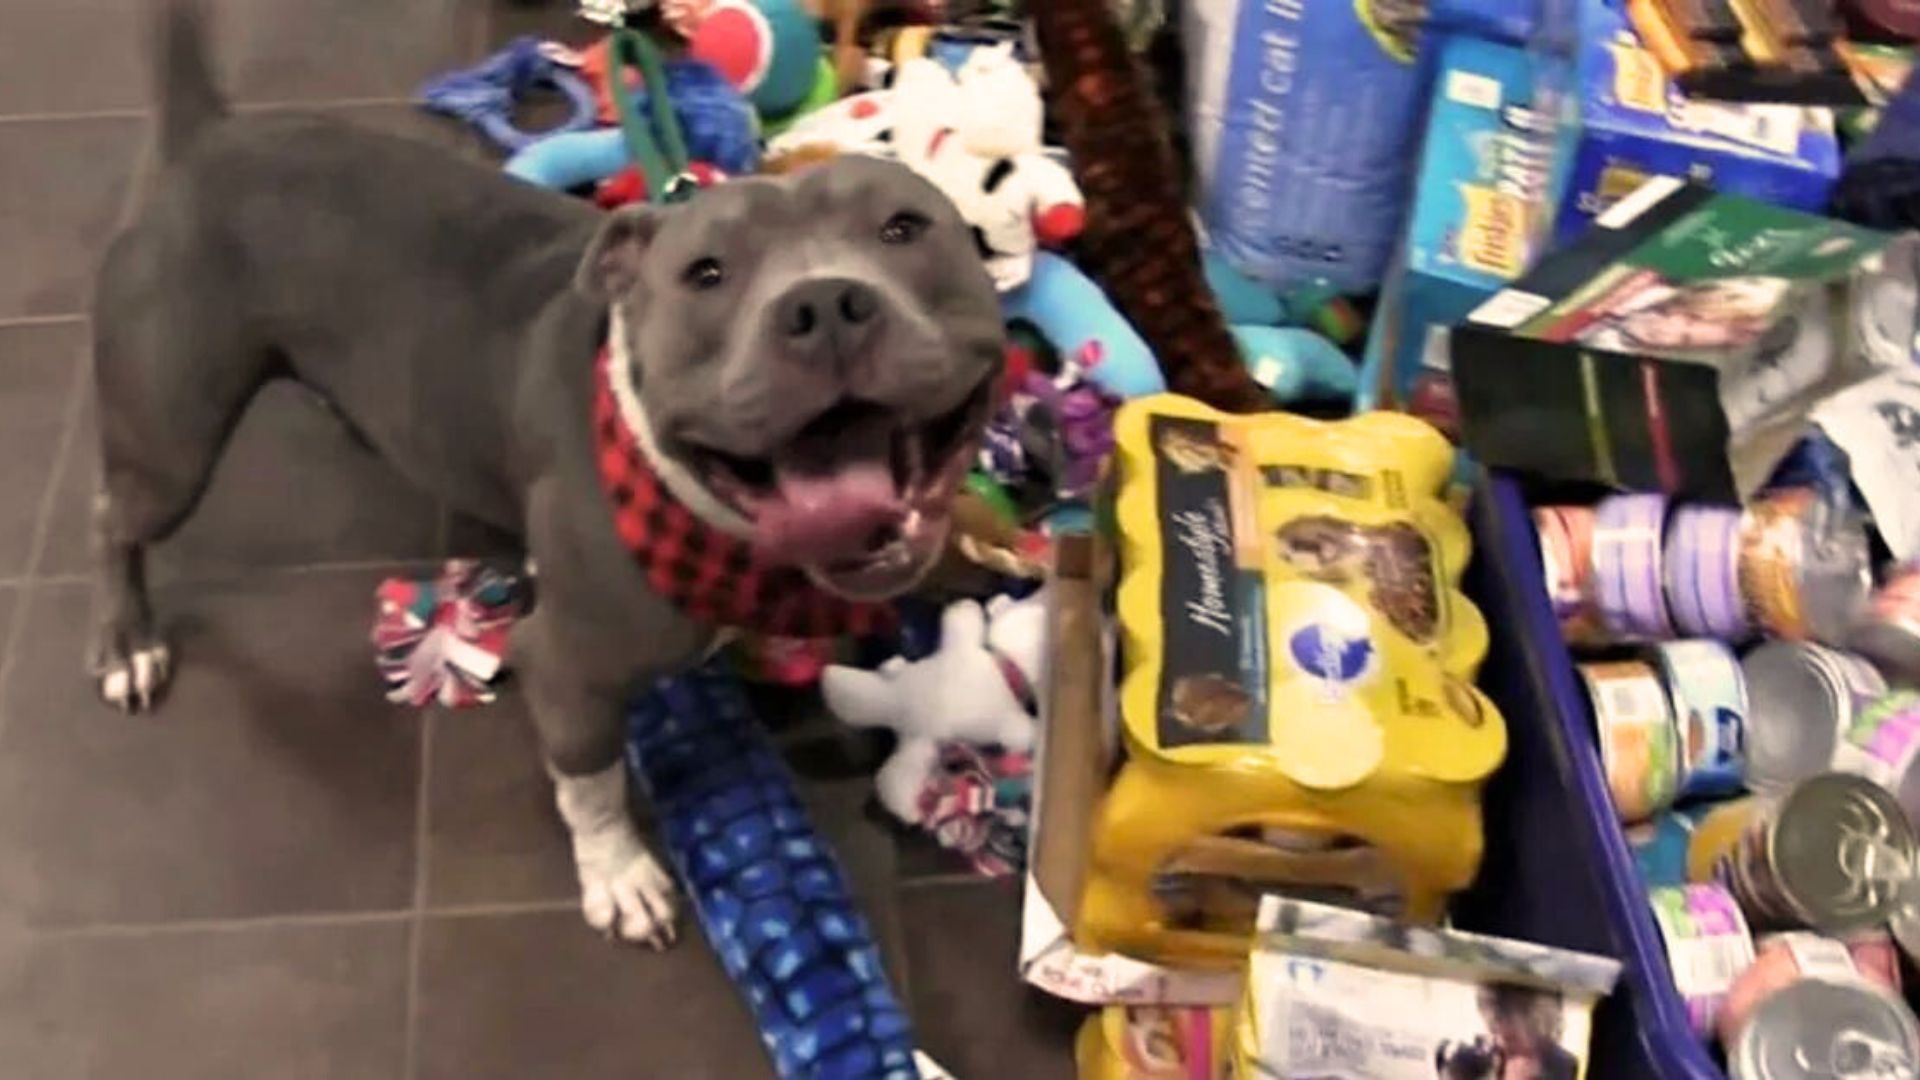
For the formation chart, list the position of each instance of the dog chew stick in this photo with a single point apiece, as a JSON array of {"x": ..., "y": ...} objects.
[{"x": 1138, "y": 242}]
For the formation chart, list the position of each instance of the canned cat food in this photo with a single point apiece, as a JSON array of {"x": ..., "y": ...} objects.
[
  {"x": 1703, "y": 573},
  {"x": 1708, "y": 946},
  {"x": 1822, "y": 1027},
  {"x": 1883, "y": 745},
  {"x": 1890, "y": 632},
  {"x": 1779, "y": 961},
  {"x": 1709, "y": 697},
  {"x": 1835, "y": 855},
  {"x": 1639, "y": 744},
  {"x": 1805, "y": 566},
  {"x": 1800, "y": 697},
  {"x": 1629, "y": 579},
  {"x": 1566, "y": 555},
  {"x": 1716, "y": 833},
  {"x": 1660, "y": 845}
]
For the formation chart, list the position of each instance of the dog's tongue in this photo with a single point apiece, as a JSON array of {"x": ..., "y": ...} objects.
[{"x": 834, "y": 490}]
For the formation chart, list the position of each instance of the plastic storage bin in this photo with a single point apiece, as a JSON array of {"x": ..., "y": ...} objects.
[{"x": 1557, "y": 869}]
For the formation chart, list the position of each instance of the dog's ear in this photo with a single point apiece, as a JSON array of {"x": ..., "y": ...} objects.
[{"x": 612, "y": 263}]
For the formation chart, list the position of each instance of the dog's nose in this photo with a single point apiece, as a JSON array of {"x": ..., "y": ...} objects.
[{"x": 829, "y": 307}]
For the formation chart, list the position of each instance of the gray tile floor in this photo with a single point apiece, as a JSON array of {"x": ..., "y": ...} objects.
[{"x": 280, "y": 875}]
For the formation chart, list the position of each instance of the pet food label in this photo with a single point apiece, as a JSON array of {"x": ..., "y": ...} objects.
[
  {"x": 1289, "y": 597},
  {"x": 1213, "y": 687}
]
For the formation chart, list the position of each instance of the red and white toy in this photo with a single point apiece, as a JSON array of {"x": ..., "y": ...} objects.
[{"x": 975, "y": 133}]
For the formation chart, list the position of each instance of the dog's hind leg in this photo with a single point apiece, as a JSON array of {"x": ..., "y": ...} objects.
[{"x": 172, "y": 374}]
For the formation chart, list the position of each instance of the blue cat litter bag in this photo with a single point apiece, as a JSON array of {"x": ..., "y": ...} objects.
[{"x": 1305, "y": 117}]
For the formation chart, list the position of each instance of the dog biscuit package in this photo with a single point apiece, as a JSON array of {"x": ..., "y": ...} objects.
[{"x": 1305, "y": 119}]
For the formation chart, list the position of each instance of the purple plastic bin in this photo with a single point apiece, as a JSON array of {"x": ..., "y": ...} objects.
[{"x": 1557, "y": 869}]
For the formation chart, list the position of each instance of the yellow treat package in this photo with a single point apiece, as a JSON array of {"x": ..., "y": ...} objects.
[{"x": 1296, "y": 700}]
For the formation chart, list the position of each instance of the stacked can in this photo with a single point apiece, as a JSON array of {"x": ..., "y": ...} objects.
[
  {"x": 1639, "y": 740},
  {"x": 1809, "y": 1002},
  {"x": 1805, "y": 566},
  {"x": 1890, "y": 632},
  {"x": 1708, "y": 946},
  {"x": 1566, "y": 554},
  {"x": 1708, "y": 692},
  {"x": 1802, "y": 696},
  {"x": 1836, "y": 855},
  {"x": 1883, "y": 745},
  {"x": 1703, "y": 573},
  {"x": 1671, "y": 726},
  {"x": 1629, "y": 570}
]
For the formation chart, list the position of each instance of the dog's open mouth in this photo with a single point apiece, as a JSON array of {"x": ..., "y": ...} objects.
[{"x": 857, "y": 497}]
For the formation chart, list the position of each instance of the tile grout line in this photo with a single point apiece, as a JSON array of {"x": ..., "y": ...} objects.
[
  {"x": 11, "y": 635},
  {"x": 295, "y": 920},
  {"x": 239, "y": 924},
  {"x": 22, "y": 322},
  {"x": 416, "y": 930},
  {"x": 127, "y": 113}
]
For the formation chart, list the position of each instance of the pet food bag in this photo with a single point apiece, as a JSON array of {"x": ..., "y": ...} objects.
[{"x": 1305, "y": 117}]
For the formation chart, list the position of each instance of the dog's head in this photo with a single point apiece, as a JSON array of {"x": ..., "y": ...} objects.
[{"x": 812, "y": 358}]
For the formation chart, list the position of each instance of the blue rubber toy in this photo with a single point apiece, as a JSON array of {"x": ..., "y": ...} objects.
[
  {"x": 721, "y": 129},
  {"x": 485, "y": 94},
  {"x": 766, "y": 889}
]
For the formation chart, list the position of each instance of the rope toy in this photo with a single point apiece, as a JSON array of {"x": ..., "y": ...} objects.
[
  {"x": 484, "y": 95},
  {"x": 976, "y": 803},
  {"x": 1138, "y": 241},
  {"x": 442, "y": 640}
]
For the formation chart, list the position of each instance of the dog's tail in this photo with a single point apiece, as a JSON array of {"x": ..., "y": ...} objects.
[{"x": 188, "y": 99}]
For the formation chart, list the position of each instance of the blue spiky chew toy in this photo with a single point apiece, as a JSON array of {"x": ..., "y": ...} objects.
[{"x": 766, "y": 889}]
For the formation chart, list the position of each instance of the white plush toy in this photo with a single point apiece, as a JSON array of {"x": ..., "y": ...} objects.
[
  {"x": 975, "y": 133},
  {"x": 980, "y": 687}
]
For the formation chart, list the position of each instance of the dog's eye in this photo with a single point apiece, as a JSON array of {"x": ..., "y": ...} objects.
[
  {"x": 904, "y": 228},
  {"x": 703, "y": 274}
]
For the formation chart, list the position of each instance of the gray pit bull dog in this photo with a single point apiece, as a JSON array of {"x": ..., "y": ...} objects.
[{"x": 804, "y": 362}]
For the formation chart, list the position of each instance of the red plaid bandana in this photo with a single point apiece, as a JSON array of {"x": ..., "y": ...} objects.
[{"x": 709, "y": 574}]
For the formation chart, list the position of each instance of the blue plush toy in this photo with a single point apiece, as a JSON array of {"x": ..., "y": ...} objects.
[{"x": 764, "y": 886}]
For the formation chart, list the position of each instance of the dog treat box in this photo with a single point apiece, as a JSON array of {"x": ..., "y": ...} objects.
[{"x": 1296, "y": 700}]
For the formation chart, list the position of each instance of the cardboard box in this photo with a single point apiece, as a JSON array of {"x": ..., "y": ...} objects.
[
  {"x": 1481, "y": 208},
  {"x": 1628, "y": 122},
  {"x": 1677, "y": 347},
  {"x": 1074, "y": 763}
]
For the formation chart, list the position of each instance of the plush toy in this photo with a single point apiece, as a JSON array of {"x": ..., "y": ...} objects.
[
  {"x": 719, "y": 126},
  {"x": 485, "y": 94},
  {"x": 768, "y": 49},
  {"x": 975, "y": 133},
  {"x": 979, "y": 687},
  {"x": 764, "y": 885}
]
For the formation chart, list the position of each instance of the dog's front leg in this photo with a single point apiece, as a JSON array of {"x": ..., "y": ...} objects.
[{"x": 624, "y": 891}]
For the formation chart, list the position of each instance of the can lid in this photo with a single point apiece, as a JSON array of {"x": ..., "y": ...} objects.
[
  {"x": 1815, "y": 1027},
  {"x": 1843, "y": 852},
  {"x": 1793, "y": 717}
]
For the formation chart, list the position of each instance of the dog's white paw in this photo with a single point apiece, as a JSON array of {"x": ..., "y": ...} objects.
[
  {"x": 624, "y": 892},
  {"x": 633, "y": 902},
  {"x": 131, "y": 680}
]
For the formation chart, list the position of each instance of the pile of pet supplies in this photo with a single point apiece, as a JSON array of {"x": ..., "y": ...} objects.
[{"x": 1210, "y": 659}]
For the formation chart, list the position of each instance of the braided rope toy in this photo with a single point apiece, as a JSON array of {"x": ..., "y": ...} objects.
[{"x": 1138, "y": 243}]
